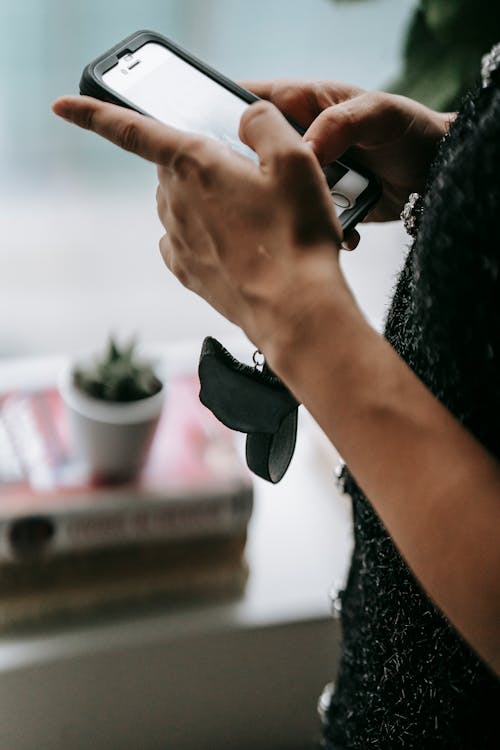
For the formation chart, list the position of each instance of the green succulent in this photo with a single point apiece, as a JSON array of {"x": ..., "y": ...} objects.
[{"x": 118, "y": 376}]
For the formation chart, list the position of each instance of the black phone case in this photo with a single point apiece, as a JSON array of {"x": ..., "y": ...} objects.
[{"x": 91, "y": 84}]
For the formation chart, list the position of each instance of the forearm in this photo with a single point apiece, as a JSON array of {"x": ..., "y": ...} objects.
[{"x": 436, "y": 489}]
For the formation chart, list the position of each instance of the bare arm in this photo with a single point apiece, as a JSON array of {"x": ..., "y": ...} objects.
[{"x": 435, "y": 488}]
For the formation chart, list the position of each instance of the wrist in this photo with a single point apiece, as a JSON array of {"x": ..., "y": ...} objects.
[{"x": 293, "y": 326}]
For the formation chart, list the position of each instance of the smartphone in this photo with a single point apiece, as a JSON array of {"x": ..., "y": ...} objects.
[{"x": 152, "y": 75}]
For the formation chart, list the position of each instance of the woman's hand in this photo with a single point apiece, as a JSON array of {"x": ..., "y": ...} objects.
[
  {"x": 394, "y": 137},
  {"x": 260, "y": 242},
  {"x": 249, "y": 238}
]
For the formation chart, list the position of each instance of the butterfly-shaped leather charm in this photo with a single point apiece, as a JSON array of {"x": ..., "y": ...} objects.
[{"x": 253, "y": 401}]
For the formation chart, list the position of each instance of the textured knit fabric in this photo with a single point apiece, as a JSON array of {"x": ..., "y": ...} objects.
[{"x": 407, "y": 679}]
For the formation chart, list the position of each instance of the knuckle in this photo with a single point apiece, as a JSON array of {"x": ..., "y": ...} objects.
[
  {"x": 162, "y": 207},
  {"x": 128, "y": 136},
  {"x": 178, "y": 209},
  {"x": 179, "y": 272},
  {"x": 260, "y": 107},
  {"x": 164, "y": 173},
  {"x": 379, "y": 103},
  {"x": 378, "y": 99},
  {"x": 195, "y": 163},
  {"x": 189, "y": 160},
  {"x": 175, "y": 242},
  {"x": 197, "y": 147},
  {"x": 164, "y": 245},
  {"x": 86, "y": 119},
  {"x": 162, "y": 213},
  {"x": 183, "y": 165},
  {"x": 295, "y": 160},
  {"x": 322, "y": 96},
  {"x": 205, "y": 174},
  {"x": 289, "y": 96},
  {"x": 340, "y": 116},
  {"x": 256, "y": 110},
  {"x": 160, "y": 198}
]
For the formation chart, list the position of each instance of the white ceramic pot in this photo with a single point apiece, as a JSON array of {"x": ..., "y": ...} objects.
[{"x": 112, "y": 439}]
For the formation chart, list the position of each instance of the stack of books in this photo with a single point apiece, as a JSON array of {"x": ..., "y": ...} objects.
[{"x": 69, "y": 545}]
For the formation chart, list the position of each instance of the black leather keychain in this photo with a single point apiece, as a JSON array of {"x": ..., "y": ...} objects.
[{"x": 254, "y": 401}]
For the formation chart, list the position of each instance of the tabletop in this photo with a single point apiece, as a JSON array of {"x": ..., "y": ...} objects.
[{"x": 244, "y": 673}]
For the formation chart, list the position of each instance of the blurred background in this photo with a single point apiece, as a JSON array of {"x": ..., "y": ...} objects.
[{"x": 79, "y": 235}]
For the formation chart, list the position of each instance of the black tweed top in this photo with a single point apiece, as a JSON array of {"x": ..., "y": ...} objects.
[{"x": 407, "y": 679}]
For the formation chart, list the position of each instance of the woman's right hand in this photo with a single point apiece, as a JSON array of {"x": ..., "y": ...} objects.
[{"x": 395, "y": 137}]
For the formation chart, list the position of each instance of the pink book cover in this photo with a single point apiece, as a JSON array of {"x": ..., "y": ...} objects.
[{"x": 193, "y": 467}]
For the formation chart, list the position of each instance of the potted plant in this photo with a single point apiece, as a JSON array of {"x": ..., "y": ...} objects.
[{"x": 114, "y": 404}]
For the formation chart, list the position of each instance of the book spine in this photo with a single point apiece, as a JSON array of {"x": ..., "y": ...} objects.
[
  {"x": 31, "y": 537},
  {"x": 217, "y": 579}
]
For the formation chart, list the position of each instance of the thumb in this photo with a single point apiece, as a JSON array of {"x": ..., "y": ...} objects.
[
  {"x": 353, "y": 122},
  {"x": 265, "y": 130}
]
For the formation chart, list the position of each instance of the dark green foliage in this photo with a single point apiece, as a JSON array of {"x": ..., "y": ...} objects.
[
  {"x": 118, "y": 376},
  {"x": 442, "y": 52}
]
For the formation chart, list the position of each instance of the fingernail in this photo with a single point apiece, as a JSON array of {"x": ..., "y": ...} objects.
[{"x": 311, "y": 144}]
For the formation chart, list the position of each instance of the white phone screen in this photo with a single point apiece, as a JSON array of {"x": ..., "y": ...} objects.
[{"x": 161, "y": 83}]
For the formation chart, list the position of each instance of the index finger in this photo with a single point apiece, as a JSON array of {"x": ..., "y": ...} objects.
[
  {"x": 263, "y": 89},
  {"x": 125, "y": 128},
  {"x": 294, "y": 97},
  {"x": 300, "y": 99}
]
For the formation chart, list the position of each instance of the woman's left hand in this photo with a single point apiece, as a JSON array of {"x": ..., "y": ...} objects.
[{"x": 250, "y": 238}]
